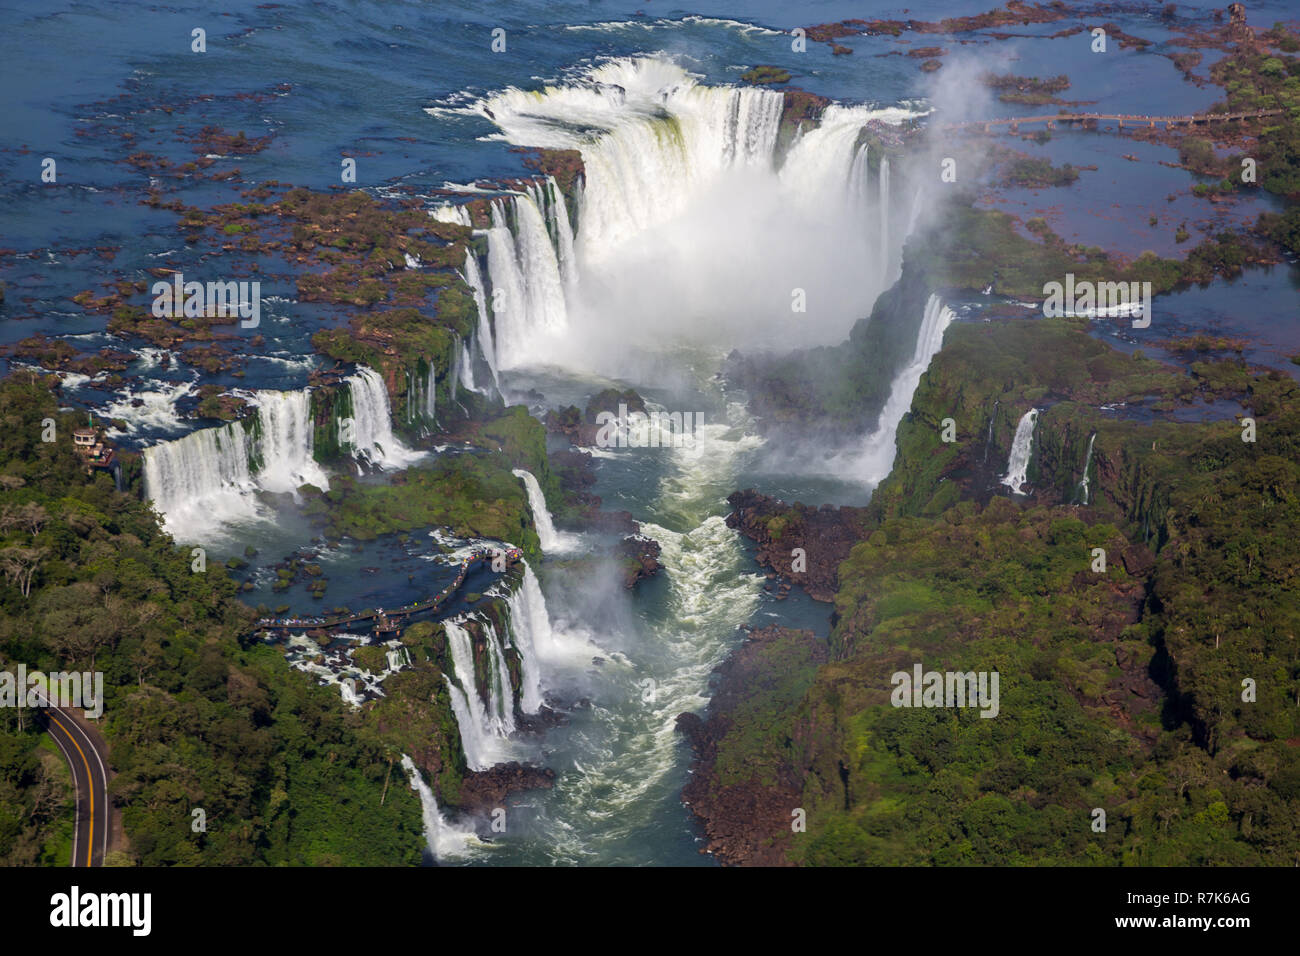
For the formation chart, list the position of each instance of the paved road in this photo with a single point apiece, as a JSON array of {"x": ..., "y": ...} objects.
[{"x": 89, "y": 778}]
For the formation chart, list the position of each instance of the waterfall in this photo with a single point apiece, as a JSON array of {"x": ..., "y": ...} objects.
[
  {"x": 649, "y": 135},
  {"x": 528, "y": 292},
  {"x": 1021, "y": 448},
  {"x": 443, "y": 839},
  {"x": 915, "y": 213},
  {"x": 883, "y": 256},
  {"x": 672, "y": 166},
  {"x": 372, "y": 436},
  {"x": 501, "y": 697},
  {"x": 858, "y": 181},
  {"x": 988, "y": 439},
  {"x": 562, "y": 229},
  {"x": 826, "y": 165},
  {"x": 481, "y": 726},
  {"x": 451, "y": 213},
  {"x": 467, "y": 367},
  {"x": 1085, "y": 486},
  {"x": 348, "y": 690},
  {"x": 211, "y": 476},
  {"x": 419, "y": 398},
  {"x": 474, "y": 279},
  {"x": 876, "y": 458},
  {"x": 485, "y": 724},
  {"x": 453, "y": 374},
  {"x": 550, "y": 539},
  {"x": 508, "y": 304},
  {"x": 200, "y": 481},
  {"x": 530, "y": 624},
  {"x": 431, "y": 393},
  {"x": 540, "y": 268},
  {"x": 285, "y": 442}
]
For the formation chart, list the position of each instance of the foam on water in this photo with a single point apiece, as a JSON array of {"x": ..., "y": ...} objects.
[
  {"x": 628, "y": 763},
  {"x": 157, "y": 409}
]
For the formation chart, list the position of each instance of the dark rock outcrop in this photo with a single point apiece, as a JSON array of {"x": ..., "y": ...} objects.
[
  {"x": 824, "y": 535},
  {"x": 746, "y": 822},
  {"x": 581, "y": 427},
  {"x": 640, "y": 558},
  {"x": 482, "y": 791}
]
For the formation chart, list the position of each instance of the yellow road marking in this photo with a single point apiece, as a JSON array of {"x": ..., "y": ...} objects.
[{"x": 90, "y": 785}]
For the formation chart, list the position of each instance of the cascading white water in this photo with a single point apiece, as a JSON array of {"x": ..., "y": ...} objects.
[
  {"x": 527, "y": 269},
  {"x": 656, "y": 130},
  {"x": 873, "y": 462},
  {"x": 501, "y": 697},
  {"x": 474, "y": 279},
  {"x": 510, "y": 306},
  {"x": 1021, "y": 449},
  {"x": 558, "y": 218},
  {"x": 988, "y": 438},
  {"x": 915, "y": 213},
  {"x": 466, "y": 366},
  {"x": 672, "y": 167},
  {"x": 482, "y": 727},
  {"x": 445, "y": 840},
  {"x": 448, "y": 212},
  {"x": 858, "y": 181},
  {"x": 372, "y": 424},
  {"x": 530, "y": 624},
  {"x": 1085, "y": 484},
  {"x": 414, "y": 395},
  {"x": 420, "y": 395},
  {"x": 285, "y": 442},
  {"x": 210, "y": 477},
  {"x": 884, "y": 248},
  {"x": 201, "y": 481},
  {"x": 431, "y": 393},
  {"x": 454, "y": 374},
  {"x": 550, "y": 539},
  {"x": 826, "y": 166}
]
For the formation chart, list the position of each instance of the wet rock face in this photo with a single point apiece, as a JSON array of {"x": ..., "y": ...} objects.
[
  {"x": 483, "y": 791},
  {"x": 803, "y": 545},
  {"x": 568, "y": 422},
  {"x": 640, "y": 559},
  {"x": 582, "y": 428},
  {"x": 582, "y": 509}
]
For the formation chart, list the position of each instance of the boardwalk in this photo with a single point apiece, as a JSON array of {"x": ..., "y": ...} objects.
[
  {"x": 386, "y": 618},
  {"x": 1130, "y": 119}
]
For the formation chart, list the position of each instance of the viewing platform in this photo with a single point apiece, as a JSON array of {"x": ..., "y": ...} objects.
[
  {"x": 388, "y": 621},
  {"x": 1131, "y": 119}
]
